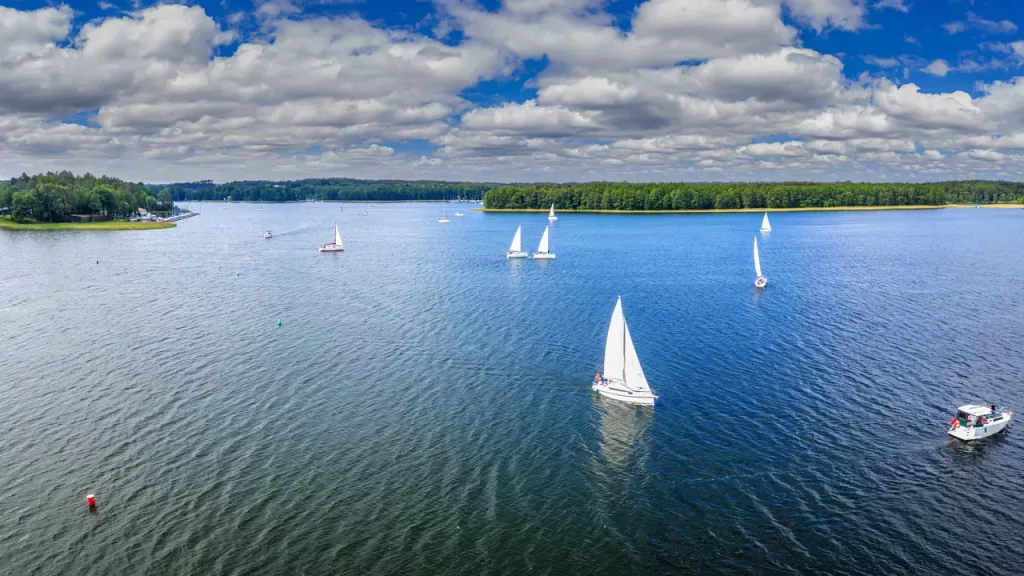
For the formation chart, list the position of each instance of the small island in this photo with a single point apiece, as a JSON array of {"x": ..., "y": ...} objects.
[{"x": 63, "y": 201}]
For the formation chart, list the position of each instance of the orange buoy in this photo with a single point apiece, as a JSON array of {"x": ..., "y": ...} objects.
[{"x": 91, "y": 499}]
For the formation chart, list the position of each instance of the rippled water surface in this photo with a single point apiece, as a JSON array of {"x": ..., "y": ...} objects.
[{"x": 424, "y": 406}]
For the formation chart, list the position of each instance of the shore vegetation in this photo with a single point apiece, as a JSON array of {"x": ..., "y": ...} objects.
[
  {"x": 706, "y": 196},
  {"x": 59, "y": 197}
]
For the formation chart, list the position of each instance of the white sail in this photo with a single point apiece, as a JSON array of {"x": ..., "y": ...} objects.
[
  {"x": 620, "y": 359},
  {"x": 337, "y": 236},
  {"x": 551, "y": 214},
  {"x": 757, "y": 259},
  {"x": 517, "y": 241},
  {"x": 635, "y": 379},
  {"x": 765, "y": 226},
  {"x": 614, "y": 350},
  {"x": 543, "y": 248}
]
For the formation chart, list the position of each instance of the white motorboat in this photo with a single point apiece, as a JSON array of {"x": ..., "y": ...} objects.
[
  {"x": 976, "y": 421},
  {"x": 551, "y": 214},
  {"x": 623, "y": 379},
  {"x": 516, "y": 249},
  {"x": 460, "y": 214},
  {"x": 765, "y": 225},
  {"x": 335, "y": 246},
  {"x": 761, "y": 281},
  {"x": 268, "y": 235},
  {"x": 543, "y": 253}
]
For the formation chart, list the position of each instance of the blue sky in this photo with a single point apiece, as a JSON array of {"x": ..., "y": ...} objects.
[{"x": 515, "y": 90}]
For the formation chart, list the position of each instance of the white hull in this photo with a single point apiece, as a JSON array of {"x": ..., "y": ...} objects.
[
  {"x": 766, "y": 229},
  {"x": 616, "y": 391},
  {"x": 967, "y": 433},
  {"x": 459, "y": 214},
  {"x": 552, "y": 218},
  {"x": 511, "y": 255},
  {"x": 442, "y": 220},
  {"x": 761, "y": 282},
  {"x": 543, "y": 256},
  {"x": 331, "y": 248}
]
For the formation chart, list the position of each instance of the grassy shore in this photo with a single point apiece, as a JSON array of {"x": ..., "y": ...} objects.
[
  {"x": 729, "y": 211},
  {"x": 7, "y": 224}
]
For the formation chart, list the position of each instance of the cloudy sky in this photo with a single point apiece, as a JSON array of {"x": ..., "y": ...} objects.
[{"x": 514, "y": 90}]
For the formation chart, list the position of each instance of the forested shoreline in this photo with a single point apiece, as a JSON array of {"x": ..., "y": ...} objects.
[
  {"x": 58, "y": 196},
  {"x": 329, "y": 189},
  {"x": 733, "y": 196}
]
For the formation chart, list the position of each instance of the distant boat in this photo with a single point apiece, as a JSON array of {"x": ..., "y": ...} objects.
[
  {"x": 976, "y": 421},
  {"x": 268, "y": 235},
  {"x": 261, "y": 208},
  {"x": 516, "y": 249},
  {"x": 443, "y": 219},
  {"x": 765, "y": 225},
  {"x": 551, "y": 214},
  {"x": 623, "y": 378},
  {"x": 542, "y": 252},
  {"x": 761, "y": 281},
  {"x": 364, "y": 212},
  {"x": 459, "y": 214},
  {"x": 335, "y": 246}
]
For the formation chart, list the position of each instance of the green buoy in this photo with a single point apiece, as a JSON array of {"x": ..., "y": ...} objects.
[
  {"x": 278, "y": 322},
  {"x": 238, "y": 273}
]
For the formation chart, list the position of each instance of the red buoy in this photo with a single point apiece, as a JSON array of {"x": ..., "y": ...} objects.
[
  {"x": 97, "y": 261},
  {"x": 91, "y": 500}
]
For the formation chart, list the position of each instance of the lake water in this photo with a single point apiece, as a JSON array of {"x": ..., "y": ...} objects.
[{"x": 425, "y": 405}]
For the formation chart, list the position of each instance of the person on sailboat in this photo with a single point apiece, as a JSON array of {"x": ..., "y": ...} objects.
[{"x": 597, "y": 377}]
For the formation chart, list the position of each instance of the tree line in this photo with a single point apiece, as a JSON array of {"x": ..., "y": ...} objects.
[
  {"x": 57, "y": 196},
  {"x": 348, "y": 189},
  {"x": 724, "y": 195}
]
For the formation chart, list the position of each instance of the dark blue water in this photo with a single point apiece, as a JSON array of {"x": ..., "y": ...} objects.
[{"x": 425, "y": 407}]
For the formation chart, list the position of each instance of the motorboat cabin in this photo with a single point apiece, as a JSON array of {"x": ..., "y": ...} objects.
[{"x": 976, "y": 421}]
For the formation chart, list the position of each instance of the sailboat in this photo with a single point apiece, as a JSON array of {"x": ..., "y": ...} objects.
[
  {"x": 542, "y": 252},
  {"x": 551, "y": 214},
  {"x": 761, "y": 281},
  {"x": 623, "y": 379},
  {"x": 364, "y": 212},
  {"x": 765, "y": 226},
  {"x": 335, "y": 246},
  {"x": 516, "y": 249},
  {"x": 443, "y": 219}
]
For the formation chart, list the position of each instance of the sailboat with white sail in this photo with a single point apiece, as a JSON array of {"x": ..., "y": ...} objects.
[
  {"x": 443, "y": 219},
  {"x": 765, "y": 225},
  {"x": 543, "y": 252},
  {"x": 335, "y": 246},
  {"x": 516, "y": 249},
  {"x": 761, "y": 281},
  {"x": 623, "y": 378},
  {"x": 551, "y": 214}
]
